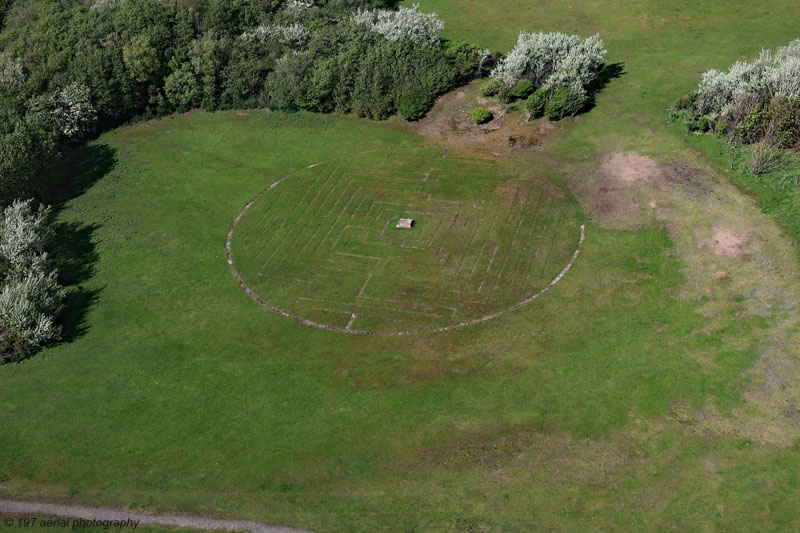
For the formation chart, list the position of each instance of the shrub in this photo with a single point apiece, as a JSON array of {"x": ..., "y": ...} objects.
[
  {"x": 563, "y": 101},
  {"x": 11, "y": 69},
  {"x": 536, "y": 103},
  {"x": 551, "y": 59},
  {"x": 783, "y": 118},
  {"x": 72, "y": 111},
  {"x": 505, "y": 94},
  {"x": 405, "y": 23},
  {"x": 412, "y": 105},
  {"x": 751, "y": 129},
  {"x": 30, "y": 295},
  {"x": 491, "y": 88},
  {"x": 701, "y": 125},
  {"x": 293, "y": 35},
  {"x": 481, "y": 115},
  {"x": 522, "y": 89},
  {"x": 770, "y": 74},
  {"x": 764, "y": 157},
  {"x": 182, "y": 88},
  {"x": 470, "y": 61}
]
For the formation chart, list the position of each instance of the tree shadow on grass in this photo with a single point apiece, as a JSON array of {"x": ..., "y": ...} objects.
[
  {"x": 75, "y": 257},
  {"x": 610, "y": 72},
  {"x": 75, "y": 254}
]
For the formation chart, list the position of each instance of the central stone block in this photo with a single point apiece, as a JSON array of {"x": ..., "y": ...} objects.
[{"x": 405, "y": 223}]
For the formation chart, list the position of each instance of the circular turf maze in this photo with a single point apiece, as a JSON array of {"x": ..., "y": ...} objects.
[{"x": 321, "y": 245}]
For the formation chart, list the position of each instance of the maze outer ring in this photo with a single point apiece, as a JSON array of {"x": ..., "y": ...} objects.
[{"x": 307, "y": 322}]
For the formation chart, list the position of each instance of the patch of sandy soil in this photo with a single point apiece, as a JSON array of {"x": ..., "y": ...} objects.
[
  {"x": 449, "y": 123},
  {"x": 724, "y": 242},
  {"x": 629, "y": 167},
  {"x": 629, "y": 188}
]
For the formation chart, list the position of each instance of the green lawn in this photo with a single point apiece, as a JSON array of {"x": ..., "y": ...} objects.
[
  {"x": 322, "y": 244},
  {"x": 615, "y": 401}
]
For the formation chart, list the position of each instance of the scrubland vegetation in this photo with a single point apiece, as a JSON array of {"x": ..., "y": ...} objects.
[
  {"x": 71, "y": 69},
  {"x": 755, "y": 107}
]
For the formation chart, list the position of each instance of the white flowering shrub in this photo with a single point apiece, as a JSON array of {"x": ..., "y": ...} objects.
[
  {"x": 719, "y": 91},
  {"x": 27, "y": 307},
  {"x": 404, "y": 23},
  {"x": 24, "y": 236},
  {"x": 30, "y": 295},
  {"x": 762, "y": 79},
  {"x": 293, "y": 35},
  {"x": 551, "y": 60},
  {"x": 11, "y": 71},
  {"x": 72, "y": 111},
  {"x": 784, "y": 77},
  {"x": 297, "y": 8},
  {"x": 107, "y": 4}
]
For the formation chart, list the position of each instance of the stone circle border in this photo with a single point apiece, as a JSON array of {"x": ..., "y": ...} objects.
[{"x": 307, "y": 322}]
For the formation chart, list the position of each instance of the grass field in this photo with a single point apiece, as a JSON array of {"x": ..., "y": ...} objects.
[
  {"x": 644, "y": 391},
  {"x": 322, "y": 244}
]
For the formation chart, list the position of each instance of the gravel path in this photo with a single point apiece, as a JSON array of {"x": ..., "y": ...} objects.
[{"x": 35, "y": 509}]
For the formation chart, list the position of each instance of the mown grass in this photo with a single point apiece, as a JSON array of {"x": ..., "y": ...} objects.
[
  {"x": 183, "y": 393},
  {"x": 176, "y": 391},
  {"x": 323, "y": 246}
]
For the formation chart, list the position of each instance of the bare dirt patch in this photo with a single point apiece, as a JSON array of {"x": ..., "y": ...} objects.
[
  {"x": 725, "y": 242},
  {"x": 630, "y": 189},
  {"x": 449, "y": 123},
  {"x": 629, "y": 167}
]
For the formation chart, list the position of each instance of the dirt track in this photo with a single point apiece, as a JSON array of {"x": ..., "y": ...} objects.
[{"x": 33, "y": 509}]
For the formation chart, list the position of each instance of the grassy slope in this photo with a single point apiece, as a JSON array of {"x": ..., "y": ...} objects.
[{"x": 182, "y": 393}]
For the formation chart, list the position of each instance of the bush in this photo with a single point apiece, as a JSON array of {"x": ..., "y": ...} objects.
[
  {"x": 783, "y": 118},
  {"x": 30, "y": 295},
  {"x": 470, "y": 61},
  {"x": 522, "y": 89},
  {"x": 481, "y": 115},
  {"x": 536, "y": 103},
  {"x": 413, "y": 105},
  {"x": 563, "y": 101},
  {"x": 764, "y": 157},
  {"x": 701, "y": 125},
  {"x": 751, "y": 129},
  {"x": 770, "y": 74},
  {"x": 491, "y": 88},
  {"x": 404, "y": 23},
  {"x": 552, "y": 59},
  {"x": 505, "y": 94}
]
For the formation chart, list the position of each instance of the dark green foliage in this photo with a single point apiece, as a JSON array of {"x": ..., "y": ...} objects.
[
  {"x": 563, "y": 102},
  {"x": 26, "y": 155},
  {"x": 146, "y": 58},
  {"x": 751, "y": 129},
  {"x": 12, "y": 347},
  {"x": 522, "y": 89},
  {"x": 352, "y": 70},
  {"x": 701, "y": 124},
  {"x": 782, "y": 116},
  {"x": 536, "y": 103},
  {"x": 491, "y": 88},
  {"x": 505, "y": 94},
  {"x": 467, "y": 60},
  {"x": 686, "y": 102},
  {"x": 412, "y": 105},
  {"x": 481, "y": 115}
]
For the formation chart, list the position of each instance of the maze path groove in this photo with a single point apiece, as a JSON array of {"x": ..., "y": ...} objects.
[{"x": 320, "y": 245}]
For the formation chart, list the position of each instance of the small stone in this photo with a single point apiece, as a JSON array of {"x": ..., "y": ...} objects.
[{"x": 405, "y": 223}]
